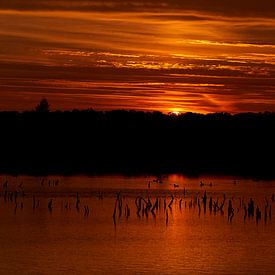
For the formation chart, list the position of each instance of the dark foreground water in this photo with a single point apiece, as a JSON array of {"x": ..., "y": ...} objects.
[{"x": 39, "y": 238}]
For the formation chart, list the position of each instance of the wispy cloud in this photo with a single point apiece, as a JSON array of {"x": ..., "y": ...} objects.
[
  {"x": 122, "y": 54},
  {"x": 231, "y": 7}
]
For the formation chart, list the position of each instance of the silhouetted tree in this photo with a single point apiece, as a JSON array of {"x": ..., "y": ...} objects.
[
  {"x": 86, "y": 141},
  {"x": 43, "y": 106}
]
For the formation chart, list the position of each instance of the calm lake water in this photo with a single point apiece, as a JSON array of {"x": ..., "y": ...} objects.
[{"x": 183, "y": 238}]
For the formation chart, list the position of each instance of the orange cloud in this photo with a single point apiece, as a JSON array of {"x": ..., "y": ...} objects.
[{"x": 186, "y": 60}]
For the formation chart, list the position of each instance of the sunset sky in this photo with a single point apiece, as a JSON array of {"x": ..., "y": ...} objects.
[{"x": 168, "y": 55}]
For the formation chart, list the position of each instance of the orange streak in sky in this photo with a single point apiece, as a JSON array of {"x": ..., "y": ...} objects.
[{"x": 172, "y": 62}]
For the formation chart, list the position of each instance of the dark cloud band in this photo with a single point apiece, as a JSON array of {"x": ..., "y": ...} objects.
[{"x": 252, "y": 8}]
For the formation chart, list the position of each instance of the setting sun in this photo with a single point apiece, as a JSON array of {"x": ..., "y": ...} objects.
[{"x": 175, "y": 111}]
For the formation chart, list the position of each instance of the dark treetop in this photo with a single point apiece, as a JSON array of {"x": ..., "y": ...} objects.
[{"x": 41, "y": 142}]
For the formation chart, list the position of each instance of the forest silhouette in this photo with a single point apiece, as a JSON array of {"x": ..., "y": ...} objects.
[{"x": 132, "y": 142}]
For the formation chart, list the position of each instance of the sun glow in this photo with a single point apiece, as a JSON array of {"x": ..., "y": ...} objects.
[{"x": 175, "y": 111}]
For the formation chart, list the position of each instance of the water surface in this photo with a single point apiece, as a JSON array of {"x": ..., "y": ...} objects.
[{"x": 179, "y": 239}]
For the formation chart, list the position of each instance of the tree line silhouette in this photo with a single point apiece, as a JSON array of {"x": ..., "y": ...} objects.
[{"x": 88, "y": 141}]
